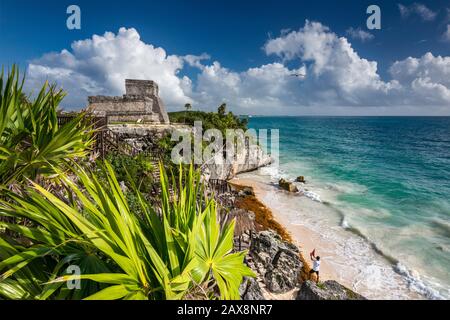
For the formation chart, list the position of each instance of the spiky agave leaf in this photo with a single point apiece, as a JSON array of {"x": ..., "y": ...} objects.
[
  {"x": 31, "y": 142},
  {"x": 165, "y": 256}
]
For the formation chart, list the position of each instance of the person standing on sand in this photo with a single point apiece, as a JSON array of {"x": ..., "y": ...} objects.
[{"x": 316, "y": 265}]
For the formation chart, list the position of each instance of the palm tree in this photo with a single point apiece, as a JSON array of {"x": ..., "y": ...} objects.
[
  {"x": 188, "y": 108},
  {"x": 222, "y": 109}
]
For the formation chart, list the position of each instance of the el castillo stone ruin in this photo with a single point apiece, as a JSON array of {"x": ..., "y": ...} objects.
[{"x": 140, "y": 103}]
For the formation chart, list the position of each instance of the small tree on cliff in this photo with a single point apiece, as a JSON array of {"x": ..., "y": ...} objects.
[
  {"x": 188, "y": 107},
  {"x": 222, "y": 109}
]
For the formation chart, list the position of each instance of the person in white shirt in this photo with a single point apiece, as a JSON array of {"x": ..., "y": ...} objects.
[{"x": 316, "y": 267}]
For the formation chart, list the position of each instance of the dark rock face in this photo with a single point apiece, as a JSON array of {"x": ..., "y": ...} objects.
[
  {"x": 246, "y": 192},
  {"x": 287, "y": 185},
  {"x": 328, "y": 290},
  {"x": 300, "y": 179},
  {"x": 284, "y": 273},
  {"x": 250, "y": 290},
  {"x": 276, "y": 260}
]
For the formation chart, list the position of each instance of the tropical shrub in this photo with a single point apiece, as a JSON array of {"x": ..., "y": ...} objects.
[
  {"x": 137, "y": 169},
  {"x": 211, "y": 120},
  {"x": 31, "y": 142},
  {"x": 168, "y": 254}
]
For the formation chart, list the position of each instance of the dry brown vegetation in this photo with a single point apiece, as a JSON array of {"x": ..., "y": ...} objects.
[{"x": 264, "y": 220}]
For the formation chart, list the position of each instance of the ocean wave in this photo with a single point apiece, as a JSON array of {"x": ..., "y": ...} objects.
[
  {"x": 346, "y": 187},
  {"x": 416, "y": 284},
  {"x": 312, "y": 195},
  {"x": 411, "y": 277},
  {"x": 345, "y": 224},
  {"x": 274, "y": 172},
  {"x": 442, "y": 226}
]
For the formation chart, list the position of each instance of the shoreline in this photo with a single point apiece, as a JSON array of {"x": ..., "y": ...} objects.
[
  {"x": 349, "y": 260},
  {"x": 304, "y": 238}
]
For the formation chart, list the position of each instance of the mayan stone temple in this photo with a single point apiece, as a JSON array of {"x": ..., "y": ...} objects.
[{"x": 140, "y": 103}]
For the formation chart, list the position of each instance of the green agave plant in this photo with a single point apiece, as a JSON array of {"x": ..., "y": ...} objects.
[
  {"x": 168, "y": 254},
  {"x": 31, "y": 142}
]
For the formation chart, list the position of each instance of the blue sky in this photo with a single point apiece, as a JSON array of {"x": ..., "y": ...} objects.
[{"x": 236, "y": 35}]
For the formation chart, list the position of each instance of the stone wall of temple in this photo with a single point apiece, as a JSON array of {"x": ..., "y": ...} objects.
[{"x": 141, "y": 102}]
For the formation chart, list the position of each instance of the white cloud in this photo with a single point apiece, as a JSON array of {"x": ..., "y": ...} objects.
[
  {"x": 426, "y": 80},
  {"x": 269, "y": 86},
  {"x": 196, "y": 61},
  {"x": 335, "y": 75},
  {"x": 100, "y": 64},
  {"x": 446, "y": 35},
  {"x": 419, "y": 9},
  {"x": 359, "y": 34}
]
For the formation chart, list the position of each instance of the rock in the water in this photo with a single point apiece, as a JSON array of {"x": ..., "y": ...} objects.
[
  {"x": 276, "y": 260},
  {"x": 287, "y": 185},
  {"x": 328, "y": 290},
  {"x": 250, "y": 290},
  {"x": 300, "y": 179}
]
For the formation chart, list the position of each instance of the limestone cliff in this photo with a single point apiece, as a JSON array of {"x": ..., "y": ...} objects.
[
  {"x": 249, "y": 158},
  {"x": 145, "y": 136}
]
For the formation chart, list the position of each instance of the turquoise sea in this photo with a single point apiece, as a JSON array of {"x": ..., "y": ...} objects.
[{"x": 387, "y": 179}]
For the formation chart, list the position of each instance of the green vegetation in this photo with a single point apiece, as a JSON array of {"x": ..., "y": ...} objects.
[
  {"x": 31, "y": 142},
  {"x": 137, "y": 169},
  {"x": 210, "y": 120},
  {"x": 125, "y": 246},
  {"x": 166, "y": 256}
]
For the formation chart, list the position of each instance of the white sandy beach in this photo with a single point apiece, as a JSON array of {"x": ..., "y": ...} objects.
[{"x": 345, "y": 258}]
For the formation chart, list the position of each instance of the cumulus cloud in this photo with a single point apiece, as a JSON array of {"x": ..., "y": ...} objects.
[
  {"x": 359, "y": 34},
  {"x": 335, "y": 75},
  {"x": 425, "y": 79},
  {"x": 446, "y": 35},
  {"x": 100, "y": 64},
  {"x": 419, "y": 9},
  {"x": 269, "y": 86}
]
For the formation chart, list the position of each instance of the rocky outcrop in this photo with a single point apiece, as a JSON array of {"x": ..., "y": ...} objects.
[
  {"x": 328, "y": 290},
  {"x": 277, "y": 261},
  {"x": 249, "y": 158},
  {"x": 145, "y": 136},
  {"x": 287, "y": 185},
  {"x": 246, "y": 192},
  {"x": 250, "y": 290},
  {"x": 300, "y": 179}
]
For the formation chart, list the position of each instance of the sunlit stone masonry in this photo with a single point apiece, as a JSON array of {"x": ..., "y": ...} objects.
[{"x": 140, "y": 103}]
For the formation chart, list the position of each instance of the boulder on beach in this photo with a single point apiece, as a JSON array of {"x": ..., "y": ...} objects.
[
  {"x": 246, "y": 191},
  {"x": 328, "y": 290},
  {"x": 287, "y": 185},
  {"x": 277, "y": 261},
  {"x": 300, "y": 179}
]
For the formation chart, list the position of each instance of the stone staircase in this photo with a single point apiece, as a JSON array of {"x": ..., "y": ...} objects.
[{"x": 108, "y": 141}]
